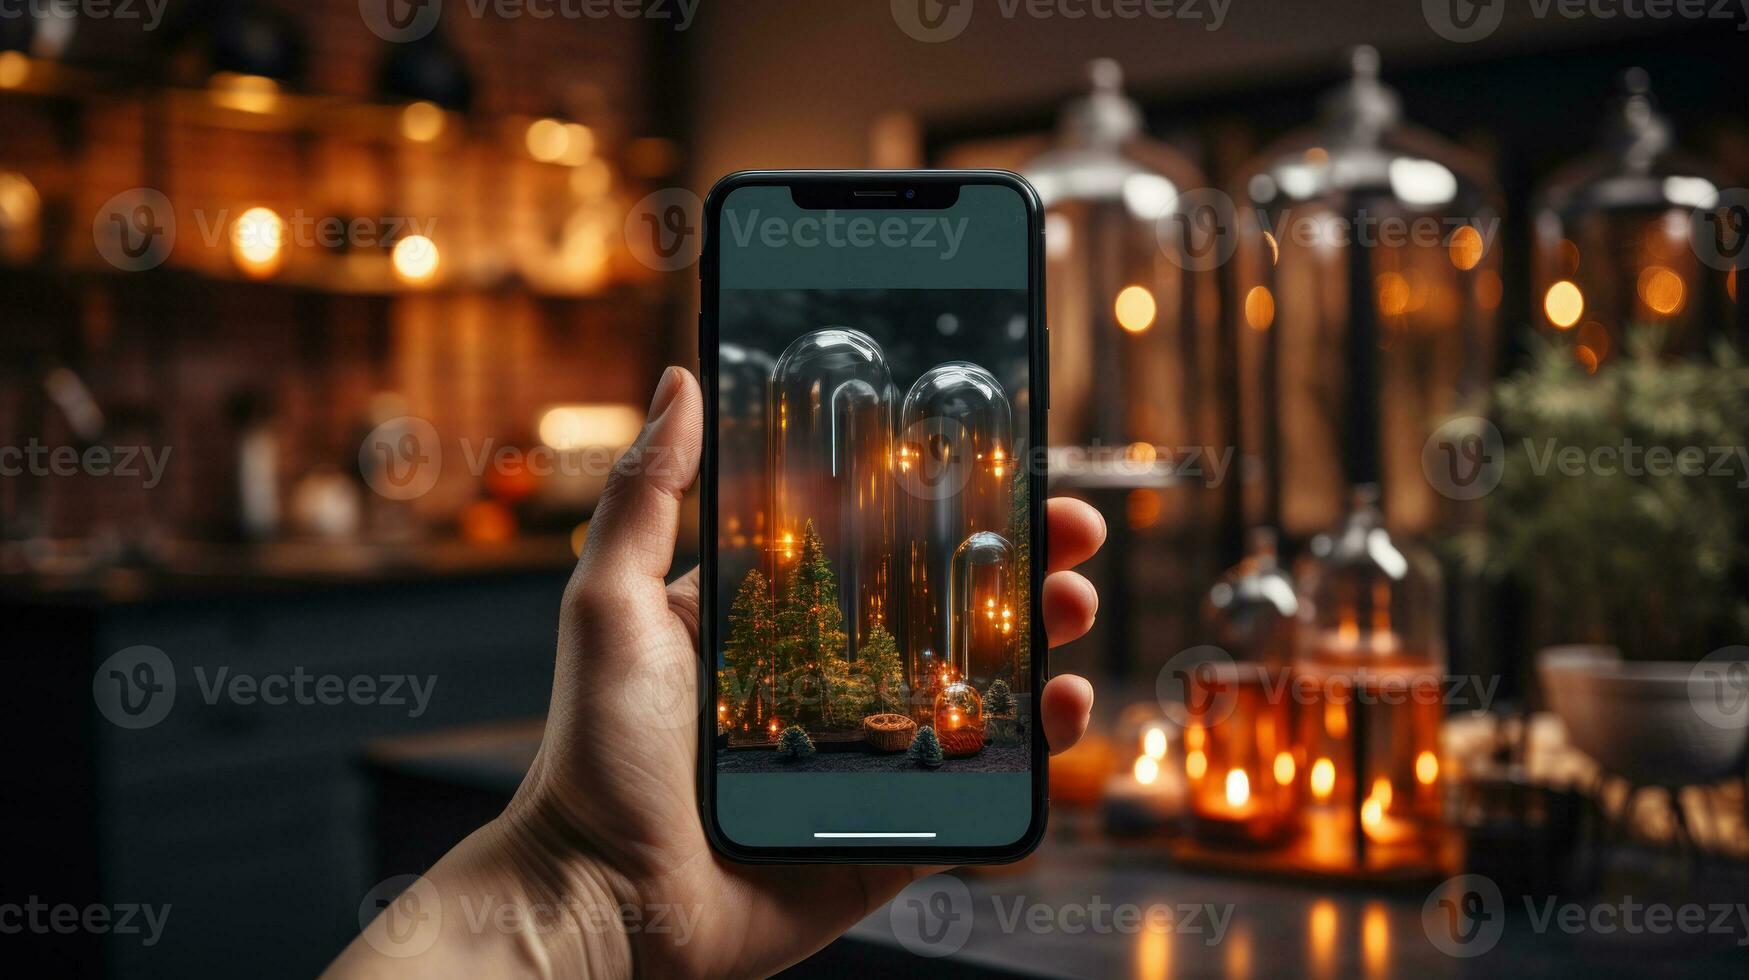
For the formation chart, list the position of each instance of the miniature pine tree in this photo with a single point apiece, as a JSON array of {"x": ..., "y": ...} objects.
[
  {"x": 925, "y": 748},
  {"x": 999, "y": 700},
  {"x": 748, "y": 651},
  {"x": 811, "y": 633},
  {"x": 880, "y": 664},
  {"x": 794, "y": 743}
]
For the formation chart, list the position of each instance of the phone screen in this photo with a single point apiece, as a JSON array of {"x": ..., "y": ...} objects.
[{"x": 874, "y": 480}]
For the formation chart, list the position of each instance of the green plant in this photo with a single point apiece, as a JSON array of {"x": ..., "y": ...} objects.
[
  {"x": 999, "y": 700},
  {"x": 925, "y": 748},
  {"x": 794, "y": 743},
  {"x": 1621, "y": 503}
]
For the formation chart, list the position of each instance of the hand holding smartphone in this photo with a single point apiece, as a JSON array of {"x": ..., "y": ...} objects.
[{"x": 876, "y": 392}]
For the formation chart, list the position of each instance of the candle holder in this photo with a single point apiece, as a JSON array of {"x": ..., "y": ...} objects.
[
  {"x": 1368, "y": 682},
  {"x": 1238, "y": 758}
]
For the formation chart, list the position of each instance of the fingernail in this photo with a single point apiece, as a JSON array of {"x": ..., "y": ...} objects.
[{"x": 666, "y": 389}]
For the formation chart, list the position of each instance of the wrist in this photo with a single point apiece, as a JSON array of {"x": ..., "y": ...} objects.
[{"x": 561, "y": 907}]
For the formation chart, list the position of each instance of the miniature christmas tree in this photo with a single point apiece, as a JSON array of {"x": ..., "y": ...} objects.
[
  {"x": 925, "y": 749},
  {"x": 750, "y": 648},
  {"x": 999, "y": 705},
  {"x": 810, "y": 630},
  {"x": 794, "y": 743},
  {"x": 884, "y": 672}
]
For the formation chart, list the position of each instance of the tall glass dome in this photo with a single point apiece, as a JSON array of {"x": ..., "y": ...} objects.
[
  {"x": 743, "y": 374},
  {"x": 830, "y": 445},
  {"x": 1133, "y": 327},
  {"x": 1615, "y": 244},
  {"x": 1368, "y": 288},
  {"x": 955, "y": 456},
  {"x": 982, "y": 596}
]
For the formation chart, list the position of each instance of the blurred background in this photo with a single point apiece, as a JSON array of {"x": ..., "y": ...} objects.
[{"x": 1399, "y": 343}]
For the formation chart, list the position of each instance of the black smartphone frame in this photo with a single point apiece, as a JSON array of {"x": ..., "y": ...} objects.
[{"x": 870, "y": 189}]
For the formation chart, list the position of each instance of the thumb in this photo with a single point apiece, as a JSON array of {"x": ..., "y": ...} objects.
[{"x": 631, "y": 535}]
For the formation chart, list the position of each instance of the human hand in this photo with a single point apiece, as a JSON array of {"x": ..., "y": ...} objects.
[{"x": 608, "y": 816}]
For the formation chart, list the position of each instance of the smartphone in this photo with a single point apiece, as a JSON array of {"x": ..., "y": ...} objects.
[{"x": 874, "y": 359}]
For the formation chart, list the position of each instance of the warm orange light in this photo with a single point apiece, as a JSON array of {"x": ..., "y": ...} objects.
[
  {"x": 1284, "y": 768},
  {"x": 1394, "y": 294},
  {"x": 1564, "y": 304},
  {"x": 1154, "y": 743},
  {"x": 1336, "y": 719},
  {"x": 1147, "y": 770},
  {"x": 1426, "y": 768},
  {"x": 1323, "y": 778},
  {"x": 1661, "y": 289},
  {"x": 1196, "y": 765},
  {"x": 245, "y": 93},
  {"x": 1143, "y": 508},
  {"x": 258, "y": 242},
  {"x": 1375, "y": 939},
  {"x": 422, "y": 122},
  {"x": 1194, "y": 737},
  {"x": 593, "y": 179},
  {"x": 1381, "y": 791},
  {"x": 1238, "y": 788},
  {"x": 14, "y": 69},
  {"x": 1322, "y": 933},
  {"x": 1135, "y": 309},
  {"x": 1259, "y": 308},
  {"x": 1466, "y": 247},
  {"x": 1372, "y": 812},
  {"x": 415, "y": 259},
  {"x": 546, "y": 140},
  {"x": 1274, "y": 247}
]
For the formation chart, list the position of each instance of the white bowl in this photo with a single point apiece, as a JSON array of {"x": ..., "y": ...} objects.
[{"x": 1643, "y": 721}]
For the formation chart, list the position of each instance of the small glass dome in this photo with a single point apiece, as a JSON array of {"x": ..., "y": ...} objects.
[
  {"x": 831, "y": 411},
  {"x": 1368, "y": 600},
  {"x": 982, "y": 594},
  {"x": 1252, "y": 610},
  {"x": 1614, "y": 240}
]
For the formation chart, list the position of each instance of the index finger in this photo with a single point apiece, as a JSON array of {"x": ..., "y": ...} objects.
[{"x": 1076, "y": 532}]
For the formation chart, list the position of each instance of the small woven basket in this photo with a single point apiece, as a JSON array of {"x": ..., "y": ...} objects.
[{"x": 888, "y": 732}]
